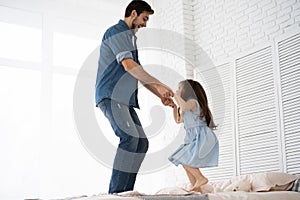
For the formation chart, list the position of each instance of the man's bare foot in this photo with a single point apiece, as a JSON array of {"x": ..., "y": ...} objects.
[{"x": 198, "y": 184}]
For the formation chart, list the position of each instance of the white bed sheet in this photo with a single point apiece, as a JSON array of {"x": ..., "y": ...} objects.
[
  {"x": 260, "y": 182},
  {"x": 101, "y": 197},
  {"x": 275, "y": 195}
]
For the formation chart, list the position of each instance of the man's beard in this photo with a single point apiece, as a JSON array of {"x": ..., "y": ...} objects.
[{"x": 134, "y": 26}]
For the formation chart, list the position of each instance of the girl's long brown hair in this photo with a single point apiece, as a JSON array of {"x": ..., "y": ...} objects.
[{"x": 193, "y": 90}]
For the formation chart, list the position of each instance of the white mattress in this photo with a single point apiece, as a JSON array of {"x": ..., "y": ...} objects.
[{"x": 275, "y": 195}]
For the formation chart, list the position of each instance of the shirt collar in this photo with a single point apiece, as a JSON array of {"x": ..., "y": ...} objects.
[{"x": 123, "y": 23}]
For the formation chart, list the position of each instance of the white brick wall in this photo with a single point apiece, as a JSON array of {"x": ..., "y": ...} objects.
[
  {"x": 175, "y": 16},
  {"x": 168, "y": 15},
  {"x": 226, "y": 28}
]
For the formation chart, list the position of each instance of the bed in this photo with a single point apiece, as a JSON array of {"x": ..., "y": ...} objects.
[
  {"x": 275, "y": 195},
  {"x": 264, "y": 186}
]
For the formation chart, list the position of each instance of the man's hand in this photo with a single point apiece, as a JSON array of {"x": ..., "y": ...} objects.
[
  {"x": 164, "y": 91},
  {"x": 168, "y": 101}
]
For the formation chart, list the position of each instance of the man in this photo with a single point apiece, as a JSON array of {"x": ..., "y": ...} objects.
[{"x": 119, "y": 71}]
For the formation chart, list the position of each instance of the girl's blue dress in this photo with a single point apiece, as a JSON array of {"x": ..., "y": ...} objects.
[{"x": 201, "y": 146}]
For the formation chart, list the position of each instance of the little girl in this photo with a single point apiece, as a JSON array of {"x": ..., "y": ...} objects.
[{"x": 201, "y": 146}]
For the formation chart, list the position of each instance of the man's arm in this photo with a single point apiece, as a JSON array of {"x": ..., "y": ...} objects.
[{"x": 151, "y": 83}]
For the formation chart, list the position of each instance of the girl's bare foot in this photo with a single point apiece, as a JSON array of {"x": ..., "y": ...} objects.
[{"x": 198, "y": 184}]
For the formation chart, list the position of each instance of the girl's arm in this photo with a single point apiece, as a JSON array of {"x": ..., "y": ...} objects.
[
  {"x": 176, "y": 114},
  {"x": 185, "y": 105}
]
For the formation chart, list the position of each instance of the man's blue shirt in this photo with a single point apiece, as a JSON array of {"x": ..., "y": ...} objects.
[{"x": 113, "y": 82}]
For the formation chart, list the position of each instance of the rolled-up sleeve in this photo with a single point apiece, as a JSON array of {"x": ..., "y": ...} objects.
[
  {"x": 123, "y": 55},
  {"x": 121, "y": 45}
]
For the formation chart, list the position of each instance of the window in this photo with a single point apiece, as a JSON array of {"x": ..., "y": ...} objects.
[{"x": 71, "y": 51}]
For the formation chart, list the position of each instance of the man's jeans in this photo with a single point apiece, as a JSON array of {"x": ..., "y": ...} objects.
[{"x": 132, "y": 147}]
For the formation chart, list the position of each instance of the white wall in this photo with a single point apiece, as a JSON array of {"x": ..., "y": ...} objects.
[
  {"x": 226, "y": 28},
  {"x": 242, "y": 38},
  {"x": 43, "y": 45},
  {"x": 245, "y": 36}
]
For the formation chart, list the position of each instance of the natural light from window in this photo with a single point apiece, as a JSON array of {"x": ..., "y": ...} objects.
[
  {"x": 71, "y": 51},
  {"x": 20, "y": 42}
]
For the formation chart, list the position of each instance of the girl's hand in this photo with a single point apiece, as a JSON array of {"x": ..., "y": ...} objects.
[{"x": 167, "y": 102}]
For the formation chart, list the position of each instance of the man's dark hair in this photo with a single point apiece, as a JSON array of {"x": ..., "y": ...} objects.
[{"x": 140, "y": 6}]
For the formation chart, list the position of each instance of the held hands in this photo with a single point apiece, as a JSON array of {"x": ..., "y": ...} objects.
[
  {"x": 164, "y": 91},
  {"x": 166, "y": 95},
  {"x": 168, "y": 101}
]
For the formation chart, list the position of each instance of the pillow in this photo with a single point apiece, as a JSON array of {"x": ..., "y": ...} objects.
[
  {"x": 296, "y": 186},
  {"x": 270, "y": 181}
]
